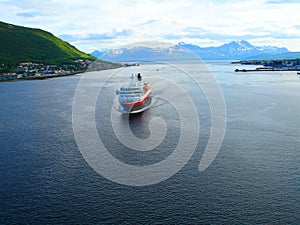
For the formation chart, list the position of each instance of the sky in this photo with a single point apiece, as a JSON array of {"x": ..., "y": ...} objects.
[{"x": 99, "y": 24}]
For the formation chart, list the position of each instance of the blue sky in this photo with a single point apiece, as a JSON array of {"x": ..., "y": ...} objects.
[{"x": 98, "y": 24}]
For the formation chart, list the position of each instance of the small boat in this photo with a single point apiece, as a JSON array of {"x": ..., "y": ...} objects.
[{"x": 134, "y": 97}]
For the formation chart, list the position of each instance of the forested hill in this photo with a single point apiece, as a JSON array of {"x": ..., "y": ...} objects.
[{"x": 22, "y": 44}]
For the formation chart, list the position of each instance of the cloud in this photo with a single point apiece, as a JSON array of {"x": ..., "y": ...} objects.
[
  {"x": 172, "y": 36},
  {"x": 149, "y": 22},
  {"x": 117, "y": 22},
  {"x": 201, "y": 33},
  {"x": 29, "y": 14},
  {"x": 96, "y": 36},
  {"x": 282, "y": 1}
]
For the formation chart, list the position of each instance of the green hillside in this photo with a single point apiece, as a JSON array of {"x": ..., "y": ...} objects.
[{"x": 21, "y": 44}]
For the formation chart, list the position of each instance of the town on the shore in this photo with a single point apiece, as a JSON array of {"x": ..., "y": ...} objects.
[
  {"x": 270, "y": 65},
  {"x": 31, "y": 70}
]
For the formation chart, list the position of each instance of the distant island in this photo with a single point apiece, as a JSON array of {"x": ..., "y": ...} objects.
[{"x": 28, "y": 53}]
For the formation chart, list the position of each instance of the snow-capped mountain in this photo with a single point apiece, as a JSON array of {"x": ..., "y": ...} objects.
[{"x": 183, "y": 51}]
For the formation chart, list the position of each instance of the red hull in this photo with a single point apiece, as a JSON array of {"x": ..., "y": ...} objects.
[{"x": 136, "y": 104}]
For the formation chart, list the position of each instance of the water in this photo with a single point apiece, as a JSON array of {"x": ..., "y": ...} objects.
[{"x": 255, "y": 178}]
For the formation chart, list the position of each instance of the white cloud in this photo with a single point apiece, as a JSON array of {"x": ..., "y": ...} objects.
[{"x": 199, "y": 22}]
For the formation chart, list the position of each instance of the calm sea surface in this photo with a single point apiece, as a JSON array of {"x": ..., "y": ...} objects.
[{"x": 255, "y": 178}]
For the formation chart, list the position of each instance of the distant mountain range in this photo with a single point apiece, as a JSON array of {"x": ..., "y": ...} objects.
[
  {"x": 22, "y": 44},
  {"x": 235, "y": 50}
]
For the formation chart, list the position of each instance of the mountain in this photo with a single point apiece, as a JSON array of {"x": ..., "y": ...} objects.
[
  {"x": 143, "y": 54},
  {"x": 236, "y": 50},
  {"x": 21, "y": 44},
  {"x": 183, "y": 51}
]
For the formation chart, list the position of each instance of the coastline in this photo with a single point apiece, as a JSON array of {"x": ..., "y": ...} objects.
[
  {"x": 39, "y": 77},
  {"x": 270, "y": 65},
  {"x": 45, "y": 77}
]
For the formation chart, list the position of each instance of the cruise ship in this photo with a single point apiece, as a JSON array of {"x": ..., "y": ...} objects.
[{"x": 136, "y": 96}]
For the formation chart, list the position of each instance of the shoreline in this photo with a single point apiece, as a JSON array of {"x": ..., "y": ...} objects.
[
  {"x": 53, "y": 72},
  {"x": 38, "y": 77},
  {"x": 50, "y": 76}
]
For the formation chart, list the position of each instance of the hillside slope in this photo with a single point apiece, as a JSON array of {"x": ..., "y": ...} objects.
[{"x": 21, "y": 44}]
